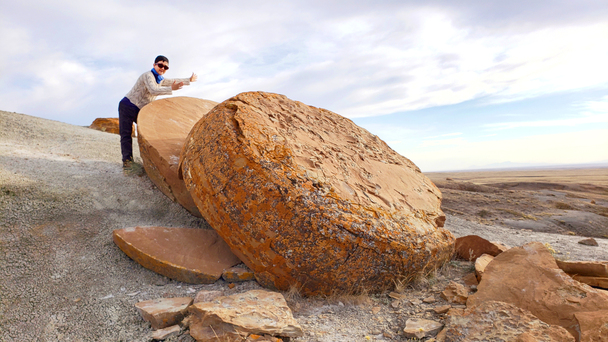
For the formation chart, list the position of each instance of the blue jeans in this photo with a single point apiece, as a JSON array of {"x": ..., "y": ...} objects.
[{"x": 127, "y": 115}]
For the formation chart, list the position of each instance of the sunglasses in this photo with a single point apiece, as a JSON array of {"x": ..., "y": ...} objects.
[{"x": 161, "y": 65}]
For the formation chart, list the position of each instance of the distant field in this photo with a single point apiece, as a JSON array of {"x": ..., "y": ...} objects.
[
  {"x": 593, "y": 176},
  {"x": 564, "y": 201}
]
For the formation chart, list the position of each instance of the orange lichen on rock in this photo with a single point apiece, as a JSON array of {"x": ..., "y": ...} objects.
[
  {"x": 307, "y": 198},
  {"x": 162, "y": 127}
]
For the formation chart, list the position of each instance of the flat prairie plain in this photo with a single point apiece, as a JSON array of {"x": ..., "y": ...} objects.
[{"x": 564, "y": 201}]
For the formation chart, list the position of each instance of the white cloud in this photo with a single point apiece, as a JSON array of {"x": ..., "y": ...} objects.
[{"x": 75, "y": 60}]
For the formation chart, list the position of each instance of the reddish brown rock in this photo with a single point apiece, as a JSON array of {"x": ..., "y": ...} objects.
[
  {"x": 442, "y": 309},
  {"x": 470, "y": 279},
  {"x": 162, "y": 127},
  {"x": 308, "y": 199},
  {"x": 163, "y": 334},
  {"x": 498, "y": 321},
  {"x": 164, "y": 312},
  {"x": 455, "y": 293},
  {"x": 593, "y": 325},
  {"x": 238, "y": 274},
  {"x": 585, "y": 268},
  {"x": 197, "y": 256},
  {"x": 528, "y": 277},
  {"x": 480, "y": 265},
  {"x": 471, "y": 247},
  {"x": 207, "y": 296},
  {"x": 592, "y": 281},
  {"x": 108, "y": 125},
  {"x": 235, "y": 317},
  {"x": 589, "y": 242},
  {"x": 420, "y": 328}
]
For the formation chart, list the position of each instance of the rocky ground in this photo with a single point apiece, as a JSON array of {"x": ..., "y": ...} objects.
[{"x": 63, "y": 192}]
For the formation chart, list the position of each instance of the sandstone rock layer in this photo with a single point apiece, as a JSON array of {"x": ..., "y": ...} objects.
[
  {"x": 307, "y": 198},
  {"x": 528, "y": 277},
  {"x": 162, "y": 127},
  {"x": 197, "y": 256}
]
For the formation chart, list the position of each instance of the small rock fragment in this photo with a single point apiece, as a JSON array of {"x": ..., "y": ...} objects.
[
  {"x": 163, "y": 312},
  {"x": 589, "y": 242},
  {"x": 455, "y": 293},
  {"x": 429, "y": 300},
  {"x": 471, "y": 247},
  {"x": 238, "y": 274},
  {"x": 470, "y": 279},
  {"x": 481, "y": 263},
  {"x": 420, "y": 328},
  {"x": 442, "y": 309},
  {"x": 416, "y": 302},
  {"x": 163, "y": 334}
]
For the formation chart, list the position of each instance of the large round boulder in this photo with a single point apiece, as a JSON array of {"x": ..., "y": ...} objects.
[
  {"x": 162, "y": 128},
  {"x": 308, "y": 199}
]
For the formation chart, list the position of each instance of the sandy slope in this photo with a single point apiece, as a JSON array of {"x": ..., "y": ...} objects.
[{"x": 62, "y": 193}]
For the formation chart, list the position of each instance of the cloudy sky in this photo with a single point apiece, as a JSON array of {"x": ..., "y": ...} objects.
[{"x": 449, "y": 84}]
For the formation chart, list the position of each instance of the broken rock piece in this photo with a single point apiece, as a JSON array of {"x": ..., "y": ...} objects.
[
  {"x": 238, "y": 274},
  {"x": 163, "y": 334},
  {"x": 307, "y": 198},
  {"x": 258, "y": 312},
  {"x": 584, "y": 268},
  {"x": 191, "y": 255},
  {"x": 498, "y": 321},
  {"x": 162, "y": 127},
  {"x": 420, "y": 328},
  {"x": 528, "y": 277},
  {"x": 163, "y": 312},
  {"x": 471, "y": 247}
]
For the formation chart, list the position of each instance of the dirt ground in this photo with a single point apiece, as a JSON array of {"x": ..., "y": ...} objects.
[
  {"x": 563, "y": 201},
  {"x": 63, "y": 193}
]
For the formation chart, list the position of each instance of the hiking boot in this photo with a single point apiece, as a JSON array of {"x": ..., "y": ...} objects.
[
  {"x": 129, "y": 167},
  {"x": 127, "y": 164}
]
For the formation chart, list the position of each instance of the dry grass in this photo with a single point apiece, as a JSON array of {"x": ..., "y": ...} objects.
[
  {"x": 519, "y": 214},
  {"x": 563, "y": 206}
]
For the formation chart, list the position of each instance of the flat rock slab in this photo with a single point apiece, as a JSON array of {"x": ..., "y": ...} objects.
[
  {"x": 601, "y": 282},
  {"x": 585, "y": 268},
  {"x": 162, "y": 127},
  {"x": 196, "y": 256},
  {"x": 498, "y": 321},
  {"x": 528, "y": 277},
  {"x": 233, "y": 318},
  {"x": 309, "y": 199},
  {"x": 164, "y": 312}
]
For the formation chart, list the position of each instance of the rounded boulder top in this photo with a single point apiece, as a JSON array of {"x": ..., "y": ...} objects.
[{"x": 307, "y": 198}]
